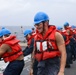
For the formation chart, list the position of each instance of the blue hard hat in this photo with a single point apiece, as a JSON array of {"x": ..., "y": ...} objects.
[
  {"x": 66, "y": 24},
  {"x": 26, "y": 32},
  {"x": 6, "y": 31},
  {"x": 73, "y": 26},
  {"x": 1, "y": 33},
  {"x": 59, "y": 28},
  {"x": 40, "y": 16}
]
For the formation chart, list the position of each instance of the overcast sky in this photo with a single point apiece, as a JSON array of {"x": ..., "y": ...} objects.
[{"x": 22, "y": 12}]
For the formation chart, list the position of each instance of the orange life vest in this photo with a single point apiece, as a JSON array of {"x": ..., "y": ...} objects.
[
  {"x": 45, "y": 46},
  {"x": 30, "y": 39},
  {"x": 67, "y": 41},
  {"x": 64, "y": 33},
  {"x": 16, "y": 49},
  {"x": 0, "y": 43},
  {"x": 71, "y": 32}
]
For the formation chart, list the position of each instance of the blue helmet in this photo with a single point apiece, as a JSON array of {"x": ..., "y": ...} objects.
[
  {"x": 5, "y": 31},
  {"x": 73, "y": 26},
  {"x": 59, "y": 28},
  {"x": 1, "y": 33},
  {"x": 66, "y": 24},
  {"x": 40, "y": 16},
  {"x": 26, "y": 32}
]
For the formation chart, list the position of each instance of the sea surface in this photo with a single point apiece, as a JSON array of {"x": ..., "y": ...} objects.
[{"x": 17, "y": 30}]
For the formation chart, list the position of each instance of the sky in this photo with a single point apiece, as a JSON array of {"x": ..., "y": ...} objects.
[{"x": 22, "y": 12}]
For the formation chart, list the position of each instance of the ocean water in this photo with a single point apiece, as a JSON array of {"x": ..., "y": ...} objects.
[{"x": 18, "y": 30}]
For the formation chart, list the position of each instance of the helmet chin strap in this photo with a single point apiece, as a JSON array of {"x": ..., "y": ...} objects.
[{"x": 43, "y": 28}]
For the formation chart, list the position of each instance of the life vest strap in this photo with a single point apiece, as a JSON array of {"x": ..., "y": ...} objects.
[
  {"x": 47, "y": 51},
  {"x": 12, "y": 54}
]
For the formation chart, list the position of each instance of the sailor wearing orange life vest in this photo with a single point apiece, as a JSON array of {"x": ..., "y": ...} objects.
[
  {"x": 29, "y": 36},
  {"x": 74, "y": 40},
  {"x": 67, "y": 44},
  {"x": 70, "y": 32},
  {"x": 30, "y": 42},
  {"x": 74, "y": 30},
  {"x": 49, "y": 46},
  {"x": 11, "y": 52},
  {"x": 68, "y": 29}
]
